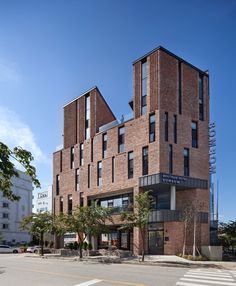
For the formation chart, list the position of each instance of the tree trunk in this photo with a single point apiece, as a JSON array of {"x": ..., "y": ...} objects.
[
  {"x": 194, "y": 236},
  {"x": 81, "y": 250},
  {"x": 185, "y": 234},
  {"x": 41, "y": 243},
  {"x": 143, "y": 246}
]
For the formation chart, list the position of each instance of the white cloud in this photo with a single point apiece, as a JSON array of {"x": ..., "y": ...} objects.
[
  {"x": 14, "y": 132},
  {"x": 9, "y": 73}
]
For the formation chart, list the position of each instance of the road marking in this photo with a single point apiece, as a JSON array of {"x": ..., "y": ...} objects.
[
  {"x": 209, "y": 282},
  {"x": 209, "y": 277},
  {"x": 189, "y": 284},
  {"x": 91, "y": 282},
  {"x": 210, "y": 274}
]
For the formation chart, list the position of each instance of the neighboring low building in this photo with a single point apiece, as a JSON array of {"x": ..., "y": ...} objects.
[
  {"x": 11, "y": 213},
  {"x": 43, "y": 202}
]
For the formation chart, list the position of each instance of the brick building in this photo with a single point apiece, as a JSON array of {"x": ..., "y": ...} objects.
[{"x": 163, "y": 148}]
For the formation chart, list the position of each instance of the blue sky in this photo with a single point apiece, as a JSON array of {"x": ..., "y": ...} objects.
[{"x": 51, "y": 51}]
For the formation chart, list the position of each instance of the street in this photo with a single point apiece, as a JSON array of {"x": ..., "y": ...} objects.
[{"x": 29, "y": 271}]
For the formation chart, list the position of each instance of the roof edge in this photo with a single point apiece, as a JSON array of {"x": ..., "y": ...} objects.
[{"x": 87, "y": 91}]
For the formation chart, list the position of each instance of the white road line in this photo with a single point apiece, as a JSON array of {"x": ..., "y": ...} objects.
[
  {"x": 209, "y": 274},
  {"x": 91, "y": 282},
  {"x": 208, "y": 282},
  {"x": 208, "y": 277},
  {"x": 189, "y": 284}
]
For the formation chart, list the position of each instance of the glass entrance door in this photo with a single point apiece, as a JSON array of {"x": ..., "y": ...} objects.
[{"x": 156, "y": 242}]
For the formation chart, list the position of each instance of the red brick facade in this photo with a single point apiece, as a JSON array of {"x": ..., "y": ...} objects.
[{"x": 162, "y": 96}]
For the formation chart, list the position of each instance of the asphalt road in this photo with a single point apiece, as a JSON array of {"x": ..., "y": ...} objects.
[{"x": 17, "y": 270}]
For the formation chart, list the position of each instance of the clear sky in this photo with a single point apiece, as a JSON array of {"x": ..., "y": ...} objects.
[{"x": 51, "y": 51}]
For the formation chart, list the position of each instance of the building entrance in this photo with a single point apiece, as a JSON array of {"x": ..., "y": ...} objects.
[{"x": 156, "y": 239}]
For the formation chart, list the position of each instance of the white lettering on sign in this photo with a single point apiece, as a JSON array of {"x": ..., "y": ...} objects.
[{"x": 212, "y": 148}]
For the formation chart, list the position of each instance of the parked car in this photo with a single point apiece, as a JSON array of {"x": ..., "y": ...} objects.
[
  {"x": 33, "y": 249},
  {"x": 8, "y": 249}
]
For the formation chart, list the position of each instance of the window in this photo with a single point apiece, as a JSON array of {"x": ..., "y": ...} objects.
[
  {"x": 161, "y": 200},
  {"x": 89, "y": 174},
  {"x": 180, "y": 87},
  {"x": 5, "y": 226},
  {"x": 113, "y": 170},
  {"x": 81, "y": 199},
  {"x": 170, "y": 159},
  {"x": 70, "y": 204},
  {"x": 144, "y": 88},
  {"x": 5, "y": 215},
  {"x": 130, "y": 165},
  {"x": 57, "y": 184},
  {"x": 175, "y": 129},
  {"x": 61, "y": 205},
  {"x": 72, "y": 157},
  {"x": 77, "y": 180},
  {"x": 87, "y": 117},
  {"x": 152, "y": 128},
  {"x": 186, "y": 162},
  {"x": 5, "y": 205},
  {"x": 91, "y": 149},
  {"x": 194, "y": 134},
  {"x": 104, "y": 145},
  {"x": 81, "y": 152},
  {"x": 145, "y": 161},
  {"x": 166, "y": 126},
  {"x": 118, "y": 203},
  {"x": 121, "y": 139},
  {"x": 60, "y": 161},
  {"x": 99, "y": 173},
  {"x": 200, "y": 97}
]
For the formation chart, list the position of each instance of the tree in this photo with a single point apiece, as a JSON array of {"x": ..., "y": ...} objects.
[
  {"x": 227, "y": 233},
  {"x": 39, "y": 224},
  {"x": 139, "y": 218},
  {"x": 88, "y": 221},
  {"x": 8, "y": 170}
]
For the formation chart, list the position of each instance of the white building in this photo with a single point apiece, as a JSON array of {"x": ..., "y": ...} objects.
[
  {"x": 43, "y": 201},
  {"x": 11, "y": 213}
]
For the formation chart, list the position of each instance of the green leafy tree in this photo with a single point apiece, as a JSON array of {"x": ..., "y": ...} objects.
[
  {"x": 139, "y": 218},
  {"x": 88, "y": 221},
  {"x": 227, "y": 233},
  {"x": 8, "y": 170}
]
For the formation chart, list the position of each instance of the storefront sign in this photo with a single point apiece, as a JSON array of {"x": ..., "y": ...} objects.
[
  {"x": 212, "y": 148},
  {"x": 170, "y": 179}
]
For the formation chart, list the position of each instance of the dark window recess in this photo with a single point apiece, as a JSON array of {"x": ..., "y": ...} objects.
[
  {"x": 91, "y": 149},
  {"x": 180, "y": 87},
  {"x": 57, "y": 184},
  {"x": 89, "y": 174},
  {"x": 145, "y": 161},
  {"x": 87, "y": 117},
  {"x": 118, "y": 203},
  {"x": 99, "y": 173},
  {"x": 104, "y": 145},
  {"x": 160, "y": 200},
  {"x": 200, "y": 97},
  {"x": 113, "y": 170},
  {"x": 70, "y": 204},
  {"x": 121, "y": 139},
  {"x": 130, "y": 165},
  {"x": 170, "y": 159},
  {"x": 186, "y": 162},
  {"x": 166, "y": 126},
  {"x": 152, "y": 124},
  {"x": 81, "y": 199},
  {"x": 61, "y": 205},
  {"x": 72, "y": 157},
  {"x": 81, "y": 153},
  {"x": 5, "y": 205},
  {"x": 175, "y": 129},
  {"x": 194, "y": 134},
  {"x": 60, "y": 161},
  {"x": 77, "y": 180},
  {"x": 144, "y": 88}
]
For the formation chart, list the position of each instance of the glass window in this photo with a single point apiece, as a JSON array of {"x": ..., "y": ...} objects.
[
  {"x": 99, "y": 173},
  {"x": 166, "y": 126},
  {"x": 200, "y": 97},
  {"x": 130, "y": 165},
  {"x": 180, "y": 87},
  {"x": 170, "y": 159},
  {"x": 81, "y": 199},
  {"x": 77, "y": 180},
  {"x": 81, "y": 154},
  {"x": 5, "y": 215},
  {"x": 57, "y": 184},
  {"x": 87, "y": 117},
  {"x": 186, "y": 162},
  {"x": 61, "y": 204},
  {"x": 89, "y": 175},
  {"x": 152, "y": 128},
  {"x": 72, "y": 156},
  {"x": 175, "y": 129},
  {"x": 70, "y": 204},
  {"x": 145, "y": 161},
  {"x": 5, "y": 205},
  {"x": 113, "y": 169},
  {"x": 194, "y": 134},
  {"x": 121, "y": 139},
  {"x": 144, "y": 88},
  {"x": 104, "y": 145}
]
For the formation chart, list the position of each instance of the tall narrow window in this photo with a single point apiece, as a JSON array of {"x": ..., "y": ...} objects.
[
  {"x": 175, "y": 129},
  {"x": 91, "y": 142},
  {"x": 99, "y": 173},
  {"x": 186, "y": 162},
  {"x": 77, "y": 180},
  {"x": 152, "y": 128},
  {"x": 87, "y": 117},
  {"x": 89, "y": 175},
  {"x": 180, "y": 87},
  {"x": 166, "y": 126},
  {"x": 57, "y": 184},
  {"x": 104, "y": 145},
  {"x": 200, "y": 97},
  {"x": 144, "y": 88},
  {"x": 70, "y": 204},
  {"x": 60, "y": 161},
  {"x": 145, "y": 161},
  {"x": 81, "y": 153},
  {"x": 72, "y": 157},
  {"x": 81, "y": 199},
  {"x": 194, "y": 134},
  {"x": 61, "y": 205},
  {"x": 113, "y": 170},
  {"x": 130, "y": 165},
  {"x": 170, "y": 159},
  {"x": 121, "y": 139}
]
